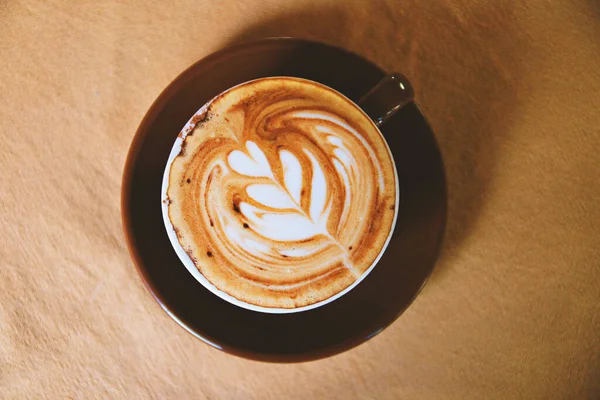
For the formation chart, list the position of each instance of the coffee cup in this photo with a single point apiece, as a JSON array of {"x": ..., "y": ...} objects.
[{"x": 280, "y": 194}]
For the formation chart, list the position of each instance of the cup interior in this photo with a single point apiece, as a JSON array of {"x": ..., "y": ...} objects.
[{"x": 187, "y": 261}]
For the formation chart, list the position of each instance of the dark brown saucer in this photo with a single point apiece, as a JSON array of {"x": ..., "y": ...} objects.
[{"x": 357, "y": 316}]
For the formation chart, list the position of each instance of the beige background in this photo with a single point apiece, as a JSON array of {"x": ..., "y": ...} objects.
[{"x": 512, "y": 89}]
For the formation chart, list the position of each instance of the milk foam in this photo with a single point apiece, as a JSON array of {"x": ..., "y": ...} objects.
[{"x": 285, "y": 200}]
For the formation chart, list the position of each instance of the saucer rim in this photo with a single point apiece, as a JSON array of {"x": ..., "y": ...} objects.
[{"x": 133, "y": 155}]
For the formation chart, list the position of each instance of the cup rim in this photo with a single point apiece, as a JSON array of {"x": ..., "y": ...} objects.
[{"x": 185, "y": 258}]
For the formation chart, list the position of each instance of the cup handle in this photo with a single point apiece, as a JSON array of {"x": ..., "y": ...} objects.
[{"x": 391, "y": 94}]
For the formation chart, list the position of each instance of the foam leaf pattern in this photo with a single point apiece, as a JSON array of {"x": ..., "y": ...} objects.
[{"x": 279, "y": 215}]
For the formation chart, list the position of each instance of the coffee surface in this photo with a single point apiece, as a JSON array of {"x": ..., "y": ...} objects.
[{"x": 283, "y": 193}]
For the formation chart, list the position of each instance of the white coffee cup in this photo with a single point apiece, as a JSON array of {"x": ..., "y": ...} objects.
[{"x": 379, "y": 115}]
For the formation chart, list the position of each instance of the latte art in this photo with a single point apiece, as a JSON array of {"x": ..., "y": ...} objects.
[{"x": 283, "y": 194}]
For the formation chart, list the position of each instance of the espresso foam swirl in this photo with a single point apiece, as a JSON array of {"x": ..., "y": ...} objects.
[{"x": 283, "y": 196}]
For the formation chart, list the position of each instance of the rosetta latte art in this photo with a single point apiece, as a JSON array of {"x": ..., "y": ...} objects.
[{"x": 282, "y": 196}]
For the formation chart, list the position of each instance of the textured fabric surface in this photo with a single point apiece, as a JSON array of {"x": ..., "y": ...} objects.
[{"x": 512, "y": 90}]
